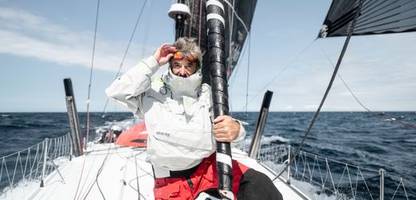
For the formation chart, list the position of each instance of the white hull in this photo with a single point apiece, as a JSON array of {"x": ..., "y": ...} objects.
[{"x": 123, "y": 170}]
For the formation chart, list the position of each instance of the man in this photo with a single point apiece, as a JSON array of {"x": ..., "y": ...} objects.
[{"x": 178, "y": 117}]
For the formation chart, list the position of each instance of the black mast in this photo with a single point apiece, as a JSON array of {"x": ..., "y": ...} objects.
[
  {"x": 218, "y": 75},
  {"x": 180, "y": 13},
  {"x": 212, "y": 16}
]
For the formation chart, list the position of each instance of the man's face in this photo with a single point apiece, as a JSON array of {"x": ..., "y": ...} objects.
[{"x": 184, "y": 67}]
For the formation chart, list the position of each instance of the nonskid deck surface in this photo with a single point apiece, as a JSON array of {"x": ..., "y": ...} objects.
[{"x": 107, "y": 171}]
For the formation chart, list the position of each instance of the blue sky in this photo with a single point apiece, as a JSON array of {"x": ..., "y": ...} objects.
[{"x": 44, "y": 41}]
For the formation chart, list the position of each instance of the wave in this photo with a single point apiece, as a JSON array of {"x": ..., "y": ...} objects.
[{"x": 269, "y": 139}]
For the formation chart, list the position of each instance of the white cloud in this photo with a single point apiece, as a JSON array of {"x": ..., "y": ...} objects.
[
  {"x": 25, "y": 34},
  {"x": 380, "y": 70}
]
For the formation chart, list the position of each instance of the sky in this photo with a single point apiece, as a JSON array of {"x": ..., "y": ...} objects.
[{"x": 44, "y": 41}]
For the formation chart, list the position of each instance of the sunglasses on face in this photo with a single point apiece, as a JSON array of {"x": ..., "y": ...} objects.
[{"x": 179, "y": 55}]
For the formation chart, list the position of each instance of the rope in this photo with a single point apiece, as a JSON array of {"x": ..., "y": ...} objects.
[
  {"x": 408, "y": 125},
  {"x": 200, "y": 22},
  {"x": 236, "y": 15},
  {"x": 127, "y": 50},
  {"x": 315, "y": 116},
  {"x": 345, "y": 83},
  {"x": 279, "y": 73},
  {"x": 147, "y": 29},
  {"x": 91, "y": 71},
  {"x": 137, "y": 178},
  {"x": 230, "y": 52},
  {"x": 236, "y": 70},
  {"x": 89, "y": 94},
  {"x": 248, "y": 74},
  {"x": 98, "y": 174},
  {"x": 191, "y": 20},
  {"x": 80, "y": 178}
]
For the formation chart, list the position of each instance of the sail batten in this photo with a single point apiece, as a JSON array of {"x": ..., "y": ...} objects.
[{"x": 375, "y": 17}]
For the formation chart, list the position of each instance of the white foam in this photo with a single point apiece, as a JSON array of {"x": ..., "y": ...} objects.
[{"x": 272, "y": 138}]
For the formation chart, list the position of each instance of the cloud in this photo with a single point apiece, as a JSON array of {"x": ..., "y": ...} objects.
[
  {"x": 25, "y": 34},
  {"x": 380, "y": 70}
]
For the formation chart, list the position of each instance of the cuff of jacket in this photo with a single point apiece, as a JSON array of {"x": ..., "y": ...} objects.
[
  {"x": 241, "y": 133},
  {"x": 151, "y": 64}
]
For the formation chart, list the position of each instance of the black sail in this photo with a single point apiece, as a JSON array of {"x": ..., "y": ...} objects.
[
  {"x": 235, "y": 31},
  {"x": 375, "y": 17}
]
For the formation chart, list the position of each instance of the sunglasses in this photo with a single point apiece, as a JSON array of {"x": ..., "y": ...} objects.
[{"x": 179, "y": 55}]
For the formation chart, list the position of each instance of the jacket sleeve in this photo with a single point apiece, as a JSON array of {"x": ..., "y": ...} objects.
[
  {"x": 129, "y": 88},
  {"x": 241, "y": 133}
]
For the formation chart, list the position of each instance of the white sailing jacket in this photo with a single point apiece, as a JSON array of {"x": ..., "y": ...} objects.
[{"x": 179, "y": 127}]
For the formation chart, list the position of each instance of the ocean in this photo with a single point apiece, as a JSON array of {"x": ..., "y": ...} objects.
[{"x": 369, "y": 140}]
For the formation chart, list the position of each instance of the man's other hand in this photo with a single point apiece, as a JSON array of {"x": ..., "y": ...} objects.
[{"x": 226, "y": 129}]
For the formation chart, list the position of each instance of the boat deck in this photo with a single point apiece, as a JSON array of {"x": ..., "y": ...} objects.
[{"x": 107, "y": 171}]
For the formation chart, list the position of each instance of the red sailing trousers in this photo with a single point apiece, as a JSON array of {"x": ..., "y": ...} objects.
[{"x": 204, "y": 178}]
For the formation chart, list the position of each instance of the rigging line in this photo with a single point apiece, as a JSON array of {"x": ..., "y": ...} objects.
[
  {"x": 230, "y": 39},
  {"x": 345, "y": 83},
  {"x": 316, "y": 114},
  {"x": 235, "y": 72},
  {"x": 358, "y": 101},
  {"x": 191, "y": 18},
  {"x": 89, "y": 93},
  {"x": 200, "y": 21},
  {"x": 248, "y": 73},
  {"x": 99, "y": 189},
  {"x": 89, "y": 172},
  {"x": 285, "y": 67},
  {"x": 80, "y": 178},
  {"x": 239, "y": 19},
  {"x": 106, "y": 155},
  {"x": 98, "y": 174},
  {"x": 127, "y": 48},
  {"x": 248, "y": 66},
  {"x": 133, "y": 188},
  {"x": 147, "y": 29},
  {"x": 91, "y": 166},
  {"x": 236, "y": 15},
  {"x": 91, "y": 72},
  {"x": 409, "y": 125},
  {"x": 137, "y": 178},
  {"x": 230, "y": 52}
]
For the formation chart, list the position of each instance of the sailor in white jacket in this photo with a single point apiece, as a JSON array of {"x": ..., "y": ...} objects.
[{"x": 176, "y": 108}]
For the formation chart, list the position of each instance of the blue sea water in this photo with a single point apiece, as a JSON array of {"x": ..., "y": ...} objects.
[{"x": 369, "y": 140}]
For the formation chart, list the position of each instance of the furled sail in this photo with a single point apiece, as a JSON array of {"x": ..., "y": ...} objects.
[
  {"x": 238, "y": 12},
  {"x": 375, "y": 17}
]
